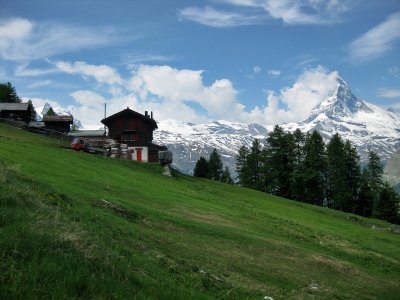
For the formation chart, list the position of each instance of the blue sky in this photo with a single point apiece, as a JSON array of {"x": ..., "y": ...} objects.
[{"x": 264, "y": 61}]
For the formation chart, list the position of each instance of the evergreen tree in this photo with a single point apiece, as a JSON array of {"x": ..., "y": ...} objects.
[
  {"x": 388, "y": 204},
  {"x": 31, "y": 111},
  {"x": 51, "y": 112},
  {"x": 215, "y": 166},
  {"x": 375, "y": 171},
  {"x": 314, "y": 169},
  {"x": 8, "y": 93},
  {"x": 242, "y": 168},
  {"x": 353, "y": 176},
  {"x": 336, "y": 173},
  {"x": 201, "y": 168},
  {"x": 278, "y": 158},
  {"x": 254, "y": 163},
  {"x": 297, "y": 178},
  {"x": 226, "y": 176},
  {"x": 365, "y": 197}
]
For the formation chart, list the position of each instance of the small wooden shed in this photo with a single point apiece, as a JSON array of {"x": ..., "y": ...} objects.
[
  {"x": 17, "y": 111},
  {"x": 58, "y": 123}
]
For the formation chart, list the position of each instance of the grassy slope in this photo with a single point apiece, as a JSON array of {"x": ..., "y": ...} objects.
[{"x": 180, "y": 237}]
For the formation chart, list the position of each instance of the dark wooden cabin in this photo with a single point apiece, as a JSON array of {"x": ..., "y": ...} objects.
[
  {"x": 136, "y": 130},
  {"x": 58, "y": 123},
  {"x": 17, "y": 111}
]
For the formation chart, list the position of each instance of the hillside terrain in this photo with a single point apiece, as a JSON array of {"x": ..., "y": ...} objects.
[
  {"x": 366, "y": 125},
  {"x": 75, "y": 225}
]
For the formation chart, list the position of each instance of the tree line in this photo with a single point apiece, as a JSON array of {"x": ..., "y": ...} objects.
[
  {"x": 212, "y": 168},
  {"x": 303, "y": 167}
]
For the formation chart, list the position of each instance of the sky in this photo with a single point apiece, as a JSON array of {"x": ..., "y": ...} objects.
[{"x": 248, "y": 61}]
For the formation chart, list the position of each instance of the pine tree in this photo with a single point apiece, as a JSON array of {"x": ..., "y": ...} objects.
[
  {"x": 375, "y": 171},
  {"x": 215, "y": 166},
  {"x": 297, "y": 178},
  {"x": 388, "y": 204},
  {"x": 226, "y": 176},
  {"x": 8, "y": 93},
  {"x": 254, "y": 164},
  {"x": 51, "y": 112},
  {"x": 314, "y": 169},
  {"x": 201, "y": 168},
  {"x": 366, "y": 196},
  {"x": 336, "y": 173},
  {"x": 242, "y": 168},
  {"x": 353, "y": 176},
  {"x": 278, "y": 158}
]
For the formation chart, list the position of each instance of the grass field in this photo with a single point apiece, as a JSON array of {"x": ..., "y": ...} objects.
[{"x": 79, "y": 225}]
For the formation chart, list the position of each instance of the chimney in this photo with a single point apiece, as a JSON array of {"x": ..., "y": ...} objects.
[
  {"x": 151, "y": 114},
  {"x": 146, "y": 114}
]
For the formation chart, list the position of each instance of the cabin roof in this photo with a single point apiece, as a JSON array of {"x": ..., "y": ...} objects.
[
  {"x": 14, "y": 106},
  {"x": 132, "y": 113},
  {"x": 58, "y": 119}
]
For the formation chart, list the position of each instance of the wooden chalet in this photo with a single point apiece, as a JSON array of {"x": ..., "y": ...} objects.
[
  {"x": 58, "y": 123},
  {"x": 136, "y": 130},
  {"x": 17, "y": 111}
]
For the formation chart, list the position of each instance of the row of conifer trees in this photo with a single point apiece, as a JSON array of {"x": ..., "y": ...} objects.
[{"x": 303, "y": 167}]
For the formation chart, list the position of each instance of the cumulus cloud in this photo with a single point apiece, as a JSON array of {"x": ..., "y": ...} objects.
[
  {"x": 293, "y": 104},
  {"x": 102, "y": 73},
  {"x": 378, "y": 40},
  {"x": 22, "y": 39},
  {"x": 181, "y": 94}
]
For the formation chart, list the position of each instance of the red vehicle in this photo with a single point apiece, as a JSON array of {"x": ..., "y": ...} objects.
[{"x": 92, "y": 146}]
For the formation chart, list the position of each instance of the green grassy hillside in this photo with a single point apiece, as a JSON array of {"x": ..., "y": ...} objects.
[{"x": 78, "y": 225}]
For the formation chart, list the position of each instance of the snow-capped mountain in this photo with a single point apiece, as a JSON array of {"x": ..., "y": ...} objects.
[
  {"x": 366, "y": 125},
  {"x": 42, "y": 110},
  {"x": 189, "y": 141}
]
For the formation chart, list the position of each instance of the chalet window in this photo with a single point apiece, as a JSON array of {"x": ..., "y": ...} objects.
[{"x": 128, "y": 137}]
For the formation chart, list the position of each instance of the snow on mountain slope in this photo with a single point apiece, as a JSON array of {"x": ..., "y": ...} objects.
[
  {"x": 189, "y": 141},
  {"x": 42, "y": 110},
  {"x": 366, "y": 125}
]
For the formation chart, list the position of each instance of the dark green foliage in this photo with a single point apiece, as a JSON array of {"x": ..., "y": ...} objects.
[
  {"x": 226, "y": 176},
  {"x": 8, "y": 93},
  {"x": 32, "y": 112},
  {"x": 242, "y": 167},
  {"x": 279, "y": 154},
  {"x": 51, "y": 112},
  {"x": 387, "y": 207},
  {"x": 313, "y": 173},
  {"x": 215, "y": 166},
  {"x": 301, "y": 168},
  {"x": 201, "y": 168}
]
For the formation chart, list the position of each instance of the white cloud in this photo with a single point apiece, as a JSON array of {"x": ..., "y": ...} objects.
[
  {"x": 22, "y": 39},
  {"x": 294, "y": 11},
  {"x": 377, "y": 41},
  {"x": 274, "y": 73},
  {"x": 182, "y": 95},
  {"x": 388, "y": 93},
  {"x": 216, "y": 18},
  {"x": 88, "y": 98},
  {"x": 102, "y": 73},
  {"x": 256, "y": 70},
  {"x": 310, "y": 88},
  {"x": 40, "y": 83},
  {"x": 23, "y": 70},
  {"x": 185, "y": 86}
]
